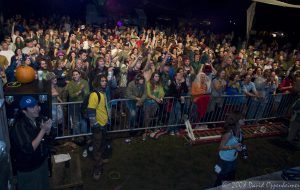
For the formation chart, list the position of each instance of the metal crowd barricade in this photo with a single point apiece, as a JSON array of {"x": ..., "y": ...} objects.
[
  {"x": 126, "y": 115},
  {"x": 71, "y": 123}
]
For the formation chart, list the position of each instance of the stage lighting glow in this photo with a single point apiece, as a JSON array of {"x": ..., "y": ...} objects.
[{"x": 119, "y": 23}]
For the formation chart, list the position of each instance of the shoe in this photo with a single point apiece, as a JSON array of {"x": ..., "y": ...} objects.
[
  {"x": 127, "y": 140},
  {"x": 91, "y": 148},
  {"x": 153, "y": 134},
  {"x": 144, "y": 136},
  {"x": 263, "y": 129},
  {"x": 105, "y": 161},
  {"x": 97, "y": 174},
  {"x": 84, "y": 153},
  {"x": 201, "y": 127},
  {"x": 172, "y": 133}
]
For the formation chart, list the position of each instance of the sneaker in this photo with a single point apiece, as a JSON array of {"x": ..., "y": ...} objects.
[
  {"x": 85, "y": 153},
  {"x": 153, "y": 134},
  {"x": 197, "y": 126},
  {"x": 91, "y": 148},
  {"x": 105, "y": 161},
  {"x": 144, "y": 136},
  {"x": 97, "y": 174},
  {"x": 127, "y": 140},
  {"x": 201, "y": 127},
  {"x": 172, "y": 133},
  {"x": 263, "y": 129}
]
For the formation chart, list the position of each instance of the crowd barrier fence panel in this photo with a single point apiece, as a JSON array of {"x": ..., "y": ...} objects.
[{"x": 125, "y": 115}]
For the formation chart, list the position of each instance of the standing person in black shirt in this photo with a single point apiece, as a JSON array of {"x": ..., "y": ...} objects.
[
  {"x": 29, "y": 146},
  {"x": 177, "y": 89}
]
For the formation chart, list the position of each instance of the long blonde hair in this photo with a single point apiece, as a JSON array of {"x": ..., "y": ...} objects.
[{"x": 198, "y": 77}]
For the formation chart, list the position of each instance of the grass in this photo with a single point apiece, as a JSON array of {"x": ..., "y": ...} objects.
[{"x": 170, "y": 163}]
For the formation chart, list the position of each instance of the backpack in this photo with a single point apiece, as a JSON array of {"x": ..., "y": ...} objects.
[{"x": 85, "y": 104}]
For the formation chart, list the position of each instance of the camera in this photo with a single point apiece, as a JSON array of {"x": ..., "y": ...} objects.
[{"x": 244, "y": 152}]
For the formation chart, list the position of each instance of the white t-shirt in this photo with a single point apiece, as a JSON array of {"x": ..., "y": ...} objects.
[
  {"x": 267, "y": 67},
  {"x": 115, "y": 51},
  {"x": 86, "y": 45},
  {"x": 26, "y": 50},
  {"x": 8, "y": 54},
  {"x": 12, "y": 47},
  {"x": 14, "y": 38}
]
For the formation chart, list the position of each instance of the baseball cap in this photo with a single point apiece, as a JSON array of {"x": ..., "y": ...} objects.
[
  {"x": 60, "y": 53},
  {"x": 28, "y": 40},
  {"x": 50, "y": 76},
  {"x": 27, "y": 101}
]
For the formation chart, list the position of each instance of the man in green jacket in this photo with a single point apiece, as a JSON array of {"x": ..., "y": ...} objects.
[{"x": 77, "y": 89}]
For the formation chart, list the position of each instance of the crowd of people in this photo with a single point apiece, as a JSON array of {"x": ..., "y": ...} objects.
[
  {"x": 147, "y": 64},
  {"x": 144, "y": 65}
]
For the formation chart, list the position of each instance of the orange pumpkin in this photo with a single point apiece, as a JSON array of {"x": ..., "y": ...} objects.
[{"x": 25, "y": 74}]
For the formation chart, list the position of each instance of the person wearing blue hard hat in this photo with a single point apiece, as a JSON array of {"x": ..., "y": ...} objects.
[{"x": 30, "y": 146}]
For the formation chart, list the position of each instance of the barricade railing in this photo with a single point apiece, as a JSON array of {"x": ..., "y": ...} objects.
[
  {"x": 68, "y": 121},
  {"x": 127, "y": 115}
]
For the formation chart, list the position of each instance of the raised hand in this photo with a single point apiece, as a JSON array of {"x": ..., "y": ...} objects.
[{"x": 46, "y": 125}]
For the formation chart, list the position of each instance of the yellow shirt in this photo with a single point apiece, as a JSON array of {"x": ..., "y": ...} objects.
[{"x": 101, "y": 111}]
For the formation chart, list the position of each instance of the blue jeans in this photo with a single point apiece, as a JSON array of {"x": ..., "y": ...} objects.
[
  {"x": 175, "y": 116},
  {"x": 78, "y": 124},
  {"x": 134, "y": 111},
  {"x": 227, "y": 173},
  {"x": 150, "y": 109},
  {"x": 256, "y": 108}
]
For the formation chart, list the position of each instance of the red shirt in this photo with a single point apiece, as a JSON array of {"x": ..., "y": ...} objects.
[{"x": 287, "y": 82}]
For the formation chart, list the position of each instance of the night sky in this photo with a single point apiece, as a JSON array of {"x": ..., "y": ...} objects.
[{"x": 220, "y": 11}]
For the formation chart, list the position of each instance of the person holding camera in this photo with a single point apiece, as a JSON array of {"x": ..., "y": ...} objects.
[
  {"x": 230, "y": 146},
  {"x": 30, "y": 146}
]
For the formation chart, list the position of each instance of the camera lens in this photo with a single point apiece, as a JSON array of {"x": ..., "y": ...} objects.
[{"x": 244, "y": 152}]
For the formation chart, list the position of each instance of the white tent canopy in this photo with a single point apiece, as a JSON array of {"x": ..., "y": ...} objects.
[
  {"x": 251, "y": 11},
  {"x": 277, "y": 3}
]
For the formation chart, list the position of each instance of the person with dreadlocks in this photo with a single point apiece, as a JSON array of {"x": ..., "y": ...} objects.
[{"x": 99, "y": 121}]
